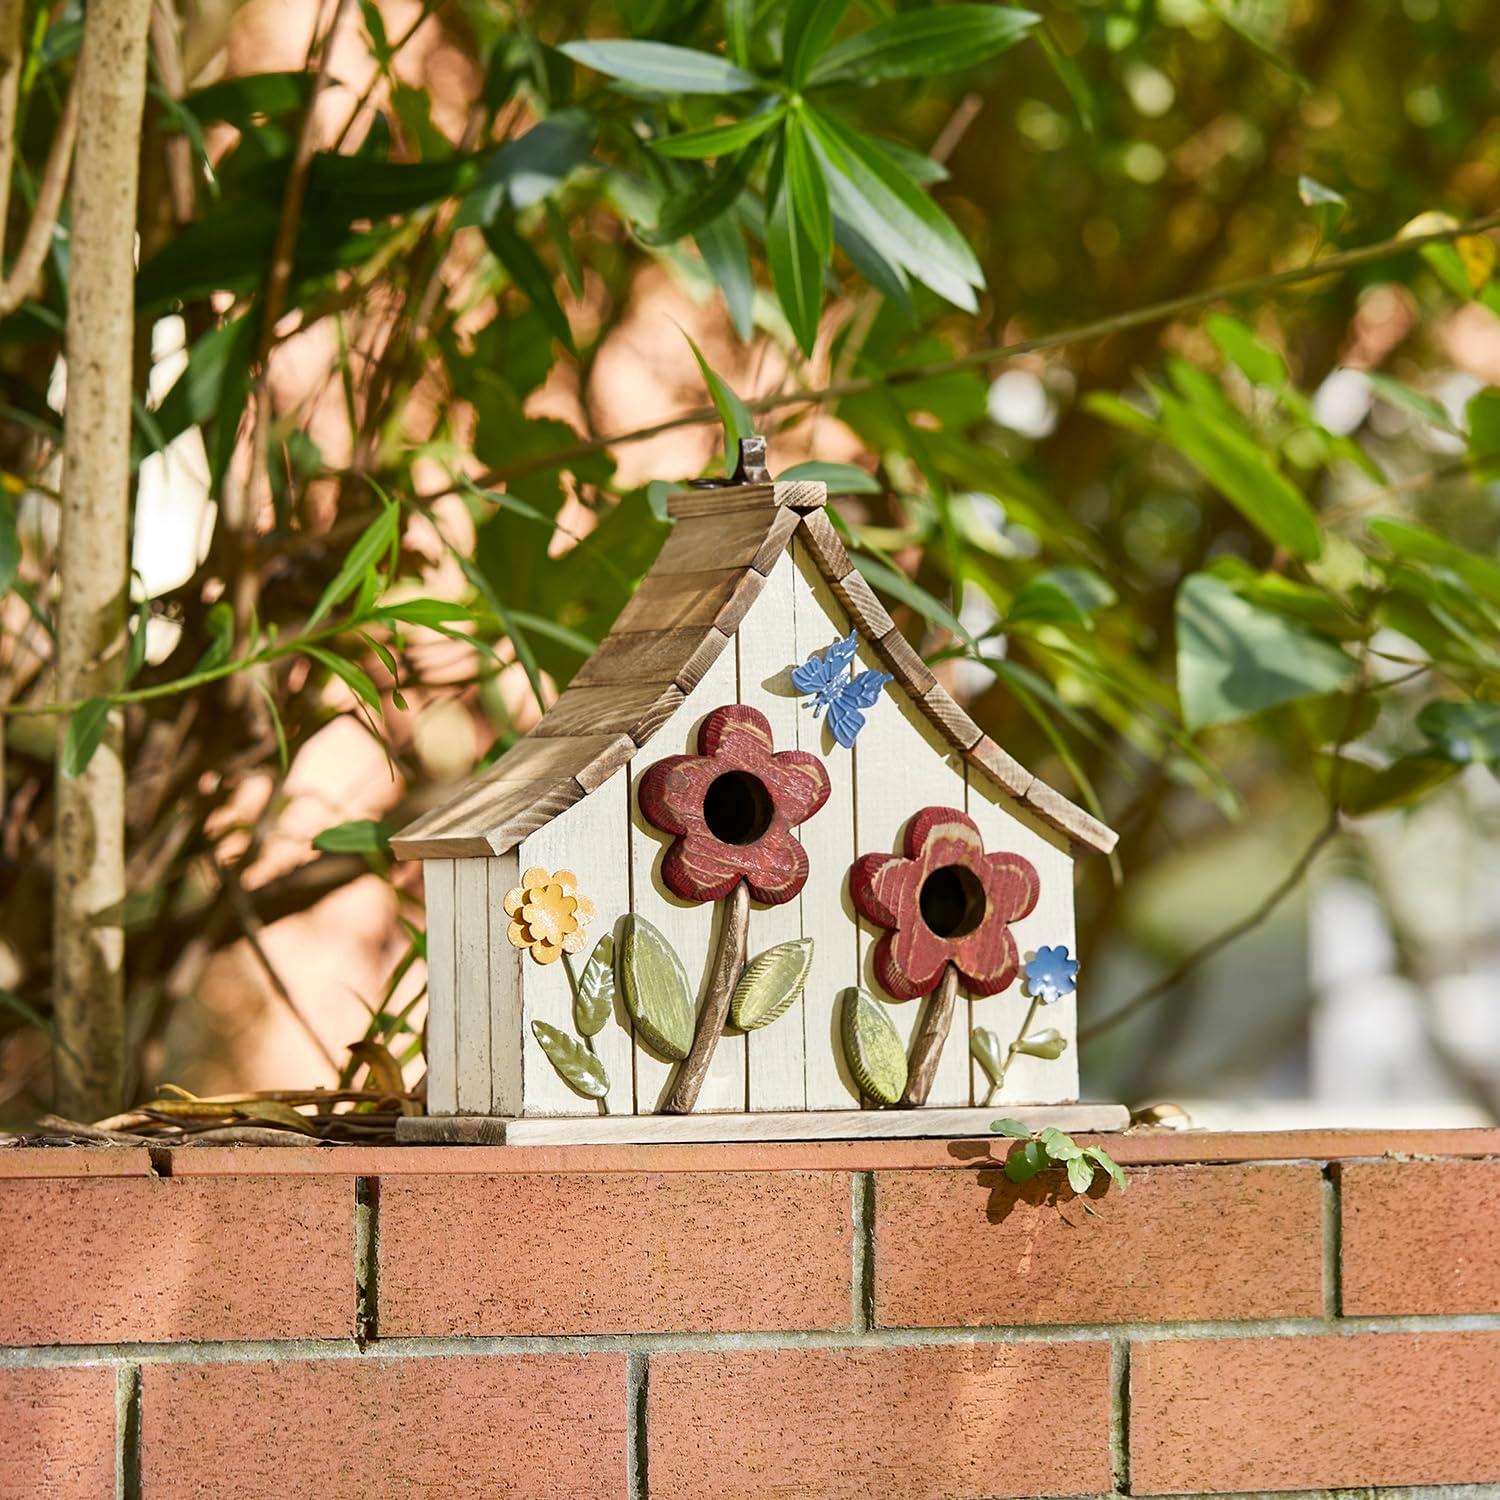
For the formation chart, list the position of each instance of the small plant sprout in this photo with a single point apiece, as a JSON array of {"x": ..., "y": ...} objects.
[{"x": 1038, "y": 1151}]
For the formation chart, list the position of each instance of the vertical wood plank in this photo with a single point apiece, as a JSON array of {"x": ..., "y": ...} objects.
[
  {"x": 506, "y": 1074},
  {"x": 766, "y": 647},
  {"x": 442, "y": 1081},
  {"x": 902, "y": 765},
  {"x": 827, "y": 914},
  {"x": 592, "y": 839},
  {"x": 471, "y": 926},
  {"x": 689, "y": 928},
  {"x": 1029, "y": 1080}
]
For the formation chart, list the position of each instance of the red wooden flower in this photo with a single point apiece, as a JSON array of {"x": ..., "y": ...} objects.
[
  {"x": 733, "y": 807},
  {"x": 946, "y": 902}
]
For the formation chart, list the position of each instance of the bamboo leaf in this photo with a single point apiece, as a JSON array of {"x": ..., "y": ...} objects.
[
  {"x": 656, "y": 989},
  {"x": 10, "y": 545},
  {"x": 733, "y": 413},
  {"x": 809, "y": 24},
  {"x": 359, "y": 836},
  {"x": 800, "y": 236},
  {"x": 514, "y": 252},
  {"x": 660, "y": 66},
  {"x": 771, "y": 983},
  {"x": 722, "y": 246},
  {"x": 86, "y": 725},
  {"x": 921, "y": 42},
  {"x": 374, "y": 542},
  {"x": 718, "y": 140},
  {"x": 594, "y": 1003},
  {"x": 872, "y": 1048},
  {"x": 575, "y": 1064}
]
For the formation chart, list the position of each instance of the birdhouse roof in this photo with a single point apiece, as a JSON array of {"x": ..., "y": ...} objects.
[{"x": 686, "y": 611}]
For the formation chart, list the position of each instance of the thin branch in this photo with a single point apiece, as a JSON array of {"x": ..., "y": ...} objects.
[
  {"x": 26, "y": 274},
  {"x": 1155, "y": 312}
]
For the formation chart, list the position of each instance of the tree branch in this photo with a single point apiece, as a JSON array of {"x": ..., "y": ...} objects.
[{"x": 26, "y": 273}]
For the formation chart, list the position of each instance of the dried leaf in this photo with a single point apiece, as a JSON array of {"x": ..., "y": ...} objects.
[
  {"x": 656, "y": 989},
  {"x": 594, "y": 1002},
  {"x": 274, "y": 1112},
  {"x": 873, "y": 1048},
  {"x": 575, "y": 1064},
  {"x": 771, "y": 983}
]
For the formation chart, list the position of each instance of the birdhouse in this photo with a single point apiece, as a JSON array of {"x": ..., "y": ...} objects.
[{"x": 755, "y": 875}]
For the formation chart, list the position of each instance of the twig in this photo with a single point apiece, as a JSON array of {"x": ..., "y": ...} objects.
[
  {"x": 728, "y": 963},
  {"x": 26, "y": 273},
  {"x": 1155, "y": 312}
]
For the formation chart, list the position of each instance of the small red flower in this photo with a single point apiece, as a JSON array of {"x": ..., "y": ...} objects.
[
  {"x": 733, "y": 807},
  {"x": 946, "y": 902}
]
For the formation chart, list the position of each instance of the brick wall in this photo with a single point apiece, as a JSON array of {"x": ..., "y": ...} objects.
[{"x": 1258, "y": 1313}]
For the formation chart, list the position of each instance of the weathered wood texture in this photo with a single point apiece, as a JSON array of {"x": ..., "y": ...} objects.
[
  {"x": 442, "y": 1061},
  {"x": 720, "y": 499}
]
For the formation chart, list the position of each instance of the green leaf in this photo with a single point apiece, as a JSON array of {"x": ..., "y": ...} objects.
[
  {"x": 1012, "y": 1128},
  {"x": 1365, "y": 789},
  {"x": 984, "y": 1048},
  {"x": 660, "y": 66},
  {"x": 1417, "y": 544},
  {"x": 841, "y": 479},
  {"x": 1049, "y": 1044},
  {"x": 771, "y": 983},
  {"x": 1061, "y": 596},
  {"x": 86, "y": 726},
  {"x": 1058, "y": 1145},
  {"x": 800, "y": 236},
  {"x": 1483, "y": 412},
  {"x": 1235, "y": 659},
  {"x": 889, "y": 209},
  {"x": 716, "y": 195},
  {"x": 363, "y": 558},
  {"x": 892, "y": 581},
  {"x": 1418, "y": 403},
  {"x": 1104, "y": 1159},
  {"x": 243, "y": 102},
  {"x": 719, "y": 140},
  {"x": 594, "y": 1003},
  {"x": 1328, "y": 206},
  {"x": 356, "y": 679},
  {"x": 656, "y": 989},
  {"x": 10, "y": 545},
  {"x": 1025, "y": 1161},
  {"x": 1080, "y": 1173},
  {"x": 921, "y": 42},
  {"x": 1256, "y": 360},
  {"x": 530, "y": 276},
  {"x": 1463, "y": 732},
  {"x": 733, "y": 413},
  {"x": 359, "y": 836},
  {"x": 872, "y": 1047},
  {"x": 575, "y": 1064},
  {"x": 722, "y": 246},
  {"x": 1244, "y": 474},
  {"x": 739, "y": 20},
  {"x": 809, "y": 25}
]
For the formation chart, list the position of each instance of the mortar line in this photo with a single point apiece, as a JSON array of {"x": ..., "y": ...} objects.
[
  {"x": 1333, "y": 1242},
  {"x": 637, "y": 1447},
  {"x": 366, "y": 1259},
  {"x": 862, "y": 1271},
  {"x": 128, "y": 1432},
  {"x": 1119, "y": 1413},
  {"x": 224, "y": 1351}
]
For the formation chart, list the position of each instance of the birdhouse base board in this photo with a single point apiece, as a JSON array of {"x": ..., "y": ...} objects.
[{"x": 791, "y": 1125}]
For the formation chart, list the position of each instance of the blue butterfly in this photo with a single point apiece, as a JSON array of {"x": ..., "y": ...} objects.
[{"x": 827, "y": 678}]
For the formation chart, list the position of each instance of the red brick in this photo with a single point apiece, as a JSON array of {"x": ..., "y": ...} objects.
[
  {"x": 57, "y": 1434},
  {"x": 966, "y": 1248},
  {"x": 1228, "y": 1415},
  {"x": 611, "y": 1253},
  {"x": 518, "y": 1425},
  {"x": 108, "y": 1260},
  {"x": 928, "y": 1423},
  {"x": 1420, "y": 1237}
]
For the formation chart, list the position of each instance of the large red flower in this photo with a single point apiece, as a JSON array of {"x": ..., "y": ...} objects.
[
  {"x": 733, "y": 807},
  {"x": 946, "y": 902}
]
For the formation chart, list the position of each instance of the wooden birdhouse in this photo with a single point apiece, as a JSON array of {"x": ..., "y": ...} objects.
[{"x": 755, "y": 875}]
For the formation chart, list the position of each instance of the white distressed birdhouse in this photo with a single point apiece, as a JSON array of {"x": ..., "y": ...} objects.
[{"x": 755, "y": 875}]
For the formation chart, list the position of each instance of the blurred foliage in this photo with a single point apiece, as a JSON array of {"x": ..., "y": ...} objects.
[{"x": 1239, "y": 559}]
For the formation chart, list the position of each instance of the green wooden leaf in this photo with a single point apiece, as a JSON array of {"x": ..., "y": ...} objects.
[
  {"x": 1235, "y": 659},
  {"x": 800, "y": 236},
  {"x": 575, "y": 1064},
  {"x": 985, "y": 1049},
  {"x": 1012, "y": 1128},
  {"x": 771, "y": 983},
  {"x": 872, "y": 1048},
  {"x": 359, "y": 836},
  {"x": 928, "y": 40},
  {"x": 594, "y": 1003},
  {"x": 656, "y": 989},
  {"x": 660, "y": 66},
  {"x": 719, "y": 140},
  {"x": 86, "y": 725},
  {"x": 1050, "y": 1044},
  {"x": 1080, "y": 1173}
]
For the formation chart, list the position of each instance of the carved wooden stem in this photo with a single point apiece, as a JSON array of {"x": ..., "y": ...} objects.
[
  {"x": 1015, "y": 1046},
  {"x": 932, "y": 1032},
  {"x": 729, "y": 962}
]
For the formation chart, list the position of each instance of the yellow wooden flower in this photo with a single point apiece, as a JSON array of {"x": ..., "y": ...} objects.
[{"x": 547, "y": 914}]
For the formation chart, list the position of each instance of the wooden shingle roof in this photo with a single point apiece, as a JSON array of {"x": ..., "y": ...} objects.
[{"x": 710, "y": 571}]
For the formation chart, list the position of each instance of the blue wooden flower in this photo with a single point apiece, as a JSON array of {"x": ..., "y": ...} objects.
[
  {"x": 1051, "y": 974},
  {"x": 827, "y": 679}
]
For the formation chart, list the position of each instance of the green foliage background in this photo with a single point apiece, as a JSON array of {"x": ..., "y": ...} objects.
[{"x": 1191, "y": 602}]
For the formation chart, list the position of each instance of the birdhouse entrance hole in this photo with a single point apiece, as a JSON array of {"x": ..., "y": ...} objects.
[
  {"x": 737, "y": 808},
  {"x": 952, "y": 901}
]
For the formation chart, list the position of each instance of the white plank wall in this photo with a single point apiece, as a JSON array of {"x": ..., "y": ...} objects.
[
  {"x": 442, "y": 1081},
  {"x": 902, "y": 765},
  {"x": 766, "y": 647},
  {"x": 690, "y": 928},
  {"x": 592, "y": 839},
  {"x": 1029, "y": 1080},
  {"x": 506, "y": 1074},
  {"x": 471, "y": 922},
  {"x": 829, "y": 837}
]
